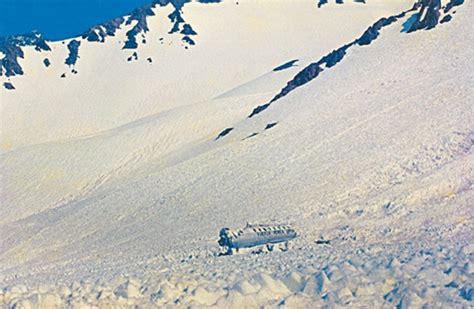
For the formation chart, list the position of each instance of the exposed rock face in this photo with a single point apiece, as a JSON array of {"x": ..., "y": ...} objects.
[
  {"x": 270, "y": 125},
  {"x": 452, "y": 4},
  {"x": 323, "y": 2},
  {"x": 284, "y": 66},
  {"x": 188, "y": 40},
  {"x": 224, "y": 133},
  {"x": 175, "y": 17},
  {"x": 446, "y": 19},
  {"x": 373, "y": 32},
  {"x": 73, "y": 47},
  {"x": 188, "y": 30},
  {"x": 8, "y": 86},
  {"x": 304, "y": 76},
  {"x": 11, "y": 47},
  {"x": 335, "y": 56},
  {"x": 100, "y": 32},
  {"x": 314, "y": 69},
  {"x": 428, "y": 15},
  {"x": 140, "y": 15},
  {"x": 429, "y": 12}
]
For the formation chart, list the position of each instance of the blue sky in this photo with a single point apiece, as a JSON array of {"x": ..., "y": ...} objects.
[{"x": 60, "y": 19}]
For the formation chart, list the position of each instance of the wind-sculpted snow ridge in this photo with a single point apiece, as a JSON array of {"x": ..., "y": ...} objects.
[{"x": 426, "y": 18}]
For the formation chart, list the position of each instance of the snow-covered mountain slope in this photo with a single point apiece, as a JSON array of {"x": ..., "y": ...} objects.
[
  {"x": 246, "y": 41},
  {"x": 117, "y": 179}
]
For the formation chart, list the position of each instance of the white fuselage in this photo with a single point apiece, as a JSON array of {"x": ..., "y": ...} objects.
[{"x": 256, "y": 235}]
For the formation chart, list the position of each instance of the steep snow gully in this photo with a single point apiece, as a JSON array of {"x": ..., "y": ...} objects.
[{"x": 126, "y": 149}]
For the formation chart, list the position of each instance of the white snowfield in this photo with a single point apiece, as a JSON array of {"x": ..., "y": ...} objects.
[{"x": 114, "y": 186}]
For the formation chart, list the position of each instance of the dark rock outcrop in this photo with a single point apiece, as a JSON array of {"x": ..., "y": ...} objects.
[
  {"x": 176, "y": 18},
  {"x": 446, "y": 19},
  {"x": 188, "y": 40},
  {"x": 11, "y": 47},
  {"x": 314, "y": 69},
  {"x": 323, "y": 2},
  {"x": 188, "y": 30},
  {"x": 259, "y": 109},
  {"x": 284, "y": 66},
  {"x": 270, "y": 125},
  {"x": 224, "y": 133},
  {"x": 140, "y": 15},
  {"x": 428, "y": 17},
  {"x": 452, "y": 4},
  {"x": 334, "y": 57},
  {"x": 73, "y": 47},
  {"x": 100, "y": 32},
  {"x": 373, "y": 31},
  {"x": 8, "y": 86},
  {"x": 134, "y": 56}
]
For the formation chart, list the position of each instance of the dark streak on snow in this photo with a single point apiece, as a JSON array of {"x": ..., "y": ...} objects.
[
  {"x": 224, "y": 133},
  {"x": 287, "y": 65},
  {"x": 270, "y": 125},
  {"x": 250, "y": 136}
]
